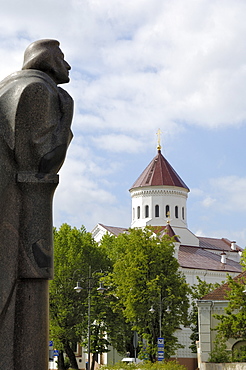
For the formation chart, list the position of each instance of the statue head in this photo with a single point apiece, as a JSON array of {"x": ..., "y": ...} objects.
[{"x": 46, "y": 56}]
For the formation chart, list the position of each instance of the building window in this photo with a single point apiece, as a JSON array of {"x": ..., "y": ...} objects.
[
  {"x": 133, "y": 213},
  {"x": 167, "y": 211},
  {"x": 176, "y": 212},
  {"x": 138, "y": 212},
  {"x": 183, "y": 213},
  {"x": 146, "y": 211},
  {"x": 157, "y": 213}
]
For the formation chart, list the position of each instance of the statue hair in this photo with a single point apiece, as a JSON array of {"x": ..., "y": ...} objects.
[{"x": 39, "y": 55}]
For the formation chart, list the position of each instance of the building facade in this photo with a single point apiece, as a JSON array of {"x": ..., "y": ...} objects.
[
  {"x": 214, "y": 303},
  {"x": 159, "y": 198}
]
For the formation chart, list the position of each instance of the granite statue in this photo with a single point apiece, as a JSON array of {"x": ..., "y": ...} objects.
[{"x": 35, "y": 121}]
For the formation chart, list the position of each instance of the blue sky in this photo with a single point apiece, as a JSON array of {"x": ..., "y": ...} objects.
[{"x": 138, "y": 66}]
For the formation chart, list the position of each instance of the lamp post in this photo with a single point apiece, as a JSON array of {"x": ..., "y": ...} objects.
[
  {"x": 101, "y": 290},
  {"x": 152, "y": 310}
]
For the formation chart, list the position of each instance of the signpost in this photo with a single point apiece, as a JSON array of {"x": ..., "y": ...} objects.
[
  {"x": 160, "y": 345},
  {"x": 51, "y": 350},
  {"x": 135, "y": 344}
]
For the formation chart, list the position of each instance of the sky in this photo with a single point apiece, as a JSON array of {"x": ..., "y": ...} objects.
[{"x": 137, "y": 66}]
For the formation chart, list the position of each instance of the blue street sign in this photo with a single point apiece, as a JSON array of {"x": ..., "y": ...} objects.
[
  {"x": 160, "y": 356},
  {"x": 160, "y": 345},
  {"x": 56, "y": 352}
]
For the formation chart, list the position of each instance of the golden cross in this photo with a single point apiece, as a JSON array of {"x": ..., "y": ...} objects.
[{"x": 159, "y": 139}]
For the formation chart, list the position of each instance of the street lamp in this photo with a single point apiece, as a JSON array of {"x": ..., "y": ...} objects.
[
  {"x": 101, "y": 290},
  {"x": 152, "y": 310},
  {"x": 160, "y": 339}
]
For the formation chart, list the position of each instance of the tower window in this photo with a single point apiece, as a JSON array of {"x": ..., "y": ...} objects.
[
  {"x": 146, "y": 211},
  {"x": 138, "y": 212},
  {"x": 157, "y": 212},
  {"x": 183, "y": 213},
  {"x": 133, "y": 213},
  {"x": 167, "y": 211},
  {"x": 176, "y": 212}
]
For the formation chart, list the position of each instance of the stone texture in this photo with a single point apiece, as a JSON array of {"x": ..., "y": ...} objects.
[{"x": 35, "y": 120}]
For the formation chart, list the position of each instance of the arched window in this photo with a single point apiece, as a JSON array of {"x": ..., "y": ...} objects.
[
  {"x": 183, "y": 213},
  {"x": 167, "y": 211},
  {"x": 176, "y": 212},
  {"x": 157, "y": 212},
  {"x": 138, "y": 212},
  {"x": 146, "y": 211},
  {"x": 133, "y": 213}
]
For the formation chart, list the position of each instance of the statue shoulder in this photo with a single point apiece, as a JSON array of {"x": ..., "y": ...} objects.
[{"x": 38, "y": 93}]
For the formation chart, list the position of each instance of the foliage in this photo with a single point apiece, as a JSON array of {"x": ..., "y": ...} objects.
[
  {"x": 171, "y": 365},
  {"x": 197, "y": 291},
  {"x": 74, "y": 251},
  {"x": 146, "y": 273},
  {"x": 232, "y": 324},
  {"x": 239, "y": 355},
  {"x": 220, "y": 354}
]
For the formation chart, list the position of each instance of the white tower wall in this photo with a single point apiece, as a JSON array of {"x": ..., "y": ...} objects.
[{"x": 164, "y": 198}]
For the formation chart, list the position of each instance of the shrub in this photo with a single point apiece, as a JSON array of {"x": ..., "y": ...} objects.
[
  {"x": 220, "y": 354},
  {"x": 170, "y": 365},
  {"x": 239, "y": 355}
]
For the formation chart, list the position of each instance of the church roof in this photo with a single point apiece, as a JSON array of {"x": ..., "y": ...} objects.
[
  {"x": 198, "y": 258},
  {"x": 114, "y": 229},
  {"x": 168, "y": 230},
  {"x": 193, "y": 257},
  {"x": 159, "y": 172},
  {"x": 217, "y": 244},
  {"x": 220, "y": 294}
]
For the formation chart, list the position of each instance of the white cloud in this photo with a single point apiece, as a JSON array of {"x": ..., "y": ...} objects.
[
  {"x": 208, "y": 202},
  {"x": 222, "y": 194},
  {"x": 117, "y": 143},
  {"x": 230, "y": 191},
  {"x": 149, "y": 62},
  {"x": 136, "y": 66}
]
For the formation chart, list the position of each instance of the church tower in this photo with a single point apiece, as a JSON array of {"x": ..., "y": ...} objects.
[{"x": 159, "y": 197}]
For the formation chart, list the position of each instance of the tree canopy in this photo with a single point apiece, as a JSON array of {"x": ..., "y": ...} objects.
[
  {"x": 145, "y": 274},
  {"x": 232, "y": 324},
  {"x": 74, "y": 251}
]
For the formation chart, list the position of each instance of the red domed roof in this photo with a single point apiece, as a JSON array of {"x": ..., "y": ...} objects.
[{"x": 159, "y": 173}]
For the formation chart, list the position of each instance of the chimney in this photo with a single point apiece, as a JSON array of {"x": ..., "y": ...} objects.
[
  {"x": 233, "y": 246},
  {"x": 223, "y": 258}
]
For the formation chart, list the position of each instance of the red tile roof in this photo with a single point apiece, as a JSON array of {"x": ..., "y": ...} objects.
[
  {"x": 198, "y": 258},
  {"x": 168, "y": 230},
  {"x": 158, "y": 173},
  {"x": 220, "y": 294}
]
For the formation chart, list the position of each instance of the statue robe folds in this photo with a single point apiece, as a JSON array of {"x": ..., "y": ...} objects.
[{"x": 35, "y": 120}]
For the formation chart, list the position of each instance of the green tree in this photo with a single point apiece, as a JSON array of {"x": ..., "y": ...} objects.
[
  {"x": 197, "y": 291},
  {"x": 146, "y": 273},
  {"x": 232, "y": 324},
  {"x": 220, "y": 354},
  {"x": 74, "y": 251}
]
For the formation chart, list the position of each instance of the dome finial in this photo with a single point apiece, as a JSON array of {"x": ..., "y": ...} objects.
[{"x": 159, "y": 139}]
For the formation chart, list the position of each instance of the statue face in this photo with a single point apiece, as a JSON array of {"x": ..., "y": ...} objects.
[
  {"x": 45, "y": 55},
  {"x": 60, "y": 67}
]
